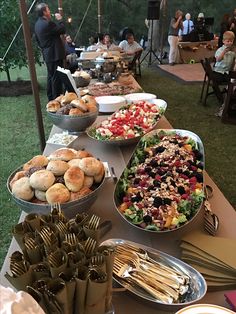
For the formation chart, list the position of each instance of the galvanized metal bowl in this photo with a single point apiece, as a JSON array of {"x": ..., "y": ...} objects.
[
  {"x": 73, "y": 123},
  {"x": 70, "y": 209},
  {"x": 118, "y": 194}
]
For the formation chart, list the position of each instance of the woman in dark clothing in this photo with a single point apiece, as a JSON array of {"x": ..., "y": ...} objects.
[{"x": 224, "y": 26}]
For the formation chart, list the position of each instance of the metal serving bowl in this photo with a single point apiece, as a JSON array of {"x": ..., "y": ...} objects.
[
  {"x": 160, "y": 103},
  {"x": 73, "y": 123},
  {"x": 118, "y": 195},
  {"x": 70, "y": 209},
  {"x": 81, "y": 81}
]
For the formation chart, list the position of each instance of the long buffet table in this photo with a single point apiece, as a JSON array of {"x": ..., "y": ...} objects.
[{"x": 123, "y": 301}]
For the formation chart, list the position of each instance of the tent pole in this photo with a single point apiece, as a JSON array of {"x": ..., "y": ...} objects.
[
  {"x": 31, "y": 63},
  {"x": 99, "y": 16}
]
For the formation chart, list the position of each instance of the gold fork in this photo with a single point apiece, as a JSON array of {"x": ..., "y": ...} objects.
[
  {"x": 89, "y": 246},
  {"x": 94, "y": 222},
  {"x": 122, "y": 271}
]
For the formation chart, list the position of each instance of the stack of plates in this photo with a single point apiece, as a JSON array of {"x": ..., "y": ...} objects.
[{"x": 108, "y": 104}]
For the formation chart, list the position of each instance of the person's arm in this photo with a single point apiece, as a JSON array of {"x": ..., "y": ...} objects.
[
  {"x": 220, "y": 54},
  {"x": 178, "y": 23}
]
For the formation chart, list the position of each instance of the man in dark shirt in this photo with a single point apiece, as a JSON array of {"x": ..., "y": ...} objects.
[{"x": 48, "y": 37}]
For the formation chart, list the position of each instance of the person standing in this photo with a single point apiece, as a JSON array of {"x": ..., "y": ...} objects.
[
  {"x": 188, "y": 26},
  {"x": 176, "y": 24},
  {"x": 48, "y": 37}
]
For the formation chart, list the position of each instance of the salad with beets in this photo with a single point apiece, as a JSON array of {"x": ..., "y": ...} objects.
[
  {"x": 162, "y": 187},
  {"x": 130, "y": 121}
]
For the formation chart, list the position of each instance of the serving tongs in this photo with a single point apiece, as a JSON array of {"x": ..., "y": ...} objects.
[{"x": 211, "y": 220}]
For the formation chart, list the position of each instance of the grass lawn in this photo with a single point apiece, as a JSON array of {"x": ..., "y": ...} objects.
[{"x": 19, "y": 135}]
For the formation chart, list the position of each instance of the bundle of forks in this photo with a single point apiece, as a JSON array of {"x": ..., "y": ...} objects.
[{"x": 161, "y": 282}]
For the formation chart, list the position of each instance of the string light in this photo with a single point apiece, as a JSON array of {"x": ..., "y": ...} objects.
[{"x": 69, "y": 20}]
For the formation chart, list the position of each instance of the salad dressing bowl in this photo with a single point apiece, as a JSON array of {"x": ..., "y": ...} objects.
[
  {"x": 127, "y": 124},
  {"x": 161, "y": 189}
]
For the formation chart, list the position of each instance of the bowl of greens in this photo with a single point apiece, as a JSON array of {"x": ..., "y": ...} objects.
[{"x": 162, "y": 188}]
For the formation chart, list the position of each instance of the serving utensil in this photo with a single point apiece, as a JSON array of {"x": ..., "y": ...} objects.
[
  {"x": 211, "y": 220},
  {"x": 123, "y": 271}
]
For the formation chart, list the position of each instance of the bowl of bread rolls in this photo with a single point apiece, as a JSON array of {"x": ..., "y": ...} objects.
[
  {"x": 69, "y": 177},
  {"x": 71, "y": 113},
  {"x": 81, "y": 78}
]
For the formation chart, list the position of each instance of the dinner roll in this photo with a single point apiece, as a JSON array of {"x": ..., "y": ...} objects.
[
  {"x": 75, "y": 112},
  {"x": 77, "y": 195},
  {"x": 64, "y": 154},
  {"x": 57, "y": 167},
  {"x": 88, "y": 99},
  {"x": 36, "y": 161},
  {"x": 40, "y": 195},
  {"x": 74, "y": 163},
  {"x": 92, "y": 108},
  {"x": 59, "y": 98},
  {"x": 68, "y": 97},
  {"x": 98, "y": 178},
  {"x": 17, "y": 176},
  {"x": 22, "y": 189},
  {"x": 74, "y": 179},
  {"x": 79, "y": 103},
  {"x": 82, "y": 154},
  {"x": 42, "y": 180},
  {"x": 88, "y": 181},
  {"x": 53, "y": 106},
  {"x": 91, "y": 166},
  {"x": 57, "y": 193}
]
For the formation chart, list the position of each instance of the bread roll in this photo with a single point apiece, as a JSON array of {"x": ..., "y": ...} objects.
[
  {"x": 64, "y": 154},
  {"x": 77, "y": 195},
  {"x": 88, "y": 181},
  {"x": 36, "y": 161},
  {"x": 42, "y": 180},
  {"x": 59, "y": 98},
  {"x": 82, "y": 154},
  {"x": 91, "y": 166},
  {"x": 57, "y": 193},
  {"x": 68, "y": 97},
  {"x": 57, "y": 167},
  {"x": 17, "y": 176},
  {"x": 74, "y": 163},
  {"x": 53, "y": 106},
  {"x": 75, "y": 112},
  {"x": 22, "y": 189},
  {"x": 79, "y": 103},
  {"x": 92, "y": 108},
  {"x": 74, "y": 179},
  {"x": 40, "y": 195},
  {"x": 88, "y": 99},
  {"x": 98, "y": 178}
]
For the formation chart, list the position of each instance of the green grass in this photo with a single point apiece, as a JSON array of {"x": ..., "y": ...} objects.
[{"x": 19, "y": 135}]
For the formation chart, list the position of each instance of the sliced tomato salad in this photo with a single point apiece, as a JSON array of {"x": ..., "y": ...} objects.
[{"x": 130, "y": 121}]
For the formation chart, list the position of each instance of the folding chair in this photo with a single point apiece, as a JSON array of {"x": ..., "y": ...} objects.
[
  {"x": 135, "y": 64},
  {"x": 209, "y": 81},
  {"x": 229, "y": 111}
]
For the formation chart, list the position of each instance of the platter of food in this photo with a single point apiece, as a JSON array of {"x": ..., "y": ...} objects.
[
  {"x": 128, "y": 124},
  {"x": 161, "y": 189},
  {"x": 69, "y": 177},
  {"x": 156, "y": 276},
  {"x": 111, "y": 89}
]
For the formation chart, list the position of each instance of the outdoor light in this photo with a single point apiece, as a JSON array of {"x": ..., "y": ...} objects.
[{"x": 69, "y": 20}]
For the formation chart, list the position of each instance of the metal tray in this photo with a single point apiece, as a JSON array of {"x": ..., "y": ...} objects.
[
  {"x": 197, "y": 286},
  {"x": 117, "y": 201},
  {"x": 161, "y": 104}
]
